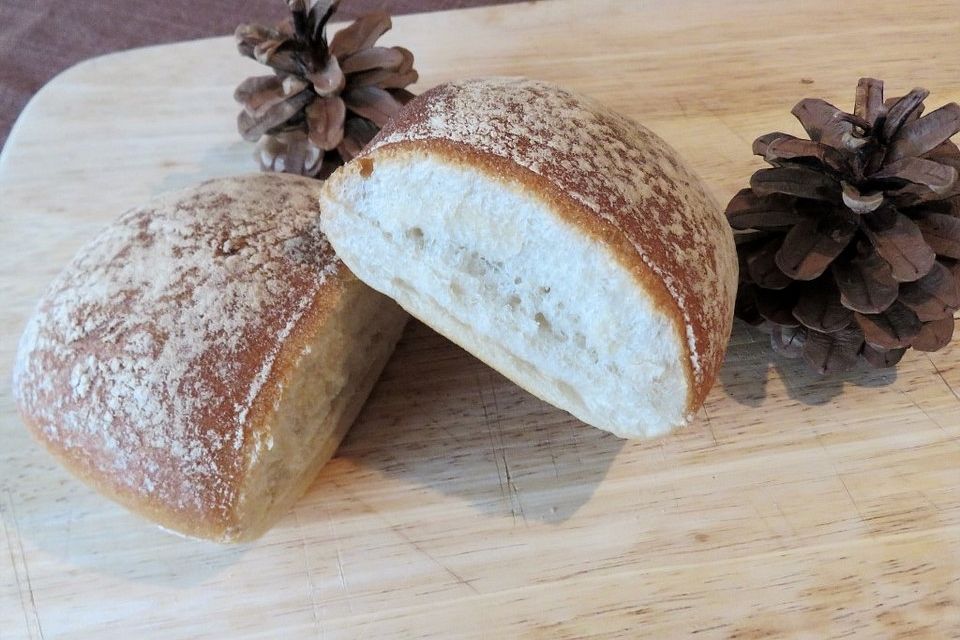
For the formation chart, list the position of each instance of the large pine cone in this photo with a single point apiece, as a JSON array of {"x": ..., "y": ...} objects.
[
  {"x": 851, "y": 242},
  {"x": 324, "y": 102}
]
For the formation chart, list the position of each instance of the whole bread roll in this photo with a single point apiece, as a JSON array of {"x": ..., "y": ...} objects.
[
  {"x": 201, "y": 359},
  {"x": 558, "y": 241}
]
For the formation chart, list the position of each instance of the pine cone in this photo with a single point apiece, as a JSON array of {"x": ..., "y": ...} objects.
[
  {"x": 851, "y": 242},
  {"x": 325, "y": 102}
]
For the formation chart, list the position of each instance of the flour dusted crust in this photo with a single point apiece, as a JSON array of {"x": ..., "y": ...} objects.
[
  {"x": 614, "y": 178},
  {"x": 157, "y": 359}
]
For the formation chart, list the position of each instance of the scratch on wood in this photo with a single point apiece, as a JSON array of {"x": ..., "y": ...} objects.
[
  {"x": 403, "y": 536},
  {"x": 940, "y": 375},
  {"x": 673, "y": 485},
  {"x": 716, "y": 114},
  {"x": 488, "y": 423},
  {"x": 766, "y": 523},
  {"x": 850, "y": 496},
  {"x": 413, "y": 543},
  {"x": 713, "y": 434},
  {"x": 928, "y": 416},
  {"x": 516, "y": 505},
  {"x": 21, "y": 572},
  {"x": 836, "y": 472},
  {"x": 311, "y": 585},
  {"x": 793, "y": 532},
  {"x": 508, "y": 488},
  {"x": 336, "y": 543}
]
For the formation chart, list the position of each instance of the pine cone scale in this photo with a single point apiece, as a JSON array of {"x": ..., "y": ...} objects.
[
  {"x": 329, "y": 80},
  {"x": 818, "y": 308},
  {"x": 893, "y": 328},
  {"x": 357, "y": 133},
  {"x": 934, "y": 296},
  {"x": 362, "y": 34},
  {"x": 942, "y": 233},
  {"x": 811, "y": 246},
  {"x": 902, "y": 111},
  {"x": 865, "y": 283},
  {"x": 373, "y": 103},
  {"x": 252, "y": 127},
  {"x": 748, "y": 211},
  {"x": 325, "y": 121},
  {"x": 903, "y": 247},
  {"x": 882, "y": 358},
  {"x": 373, "y": 58},
  {"x": 823, "y": 122},
  {"x": 831, "y": 353},
  {"x": 937, "y": 177},
  {"x": 934, "y": 335},
  {"x": 869, "y": 100},
  {"x": 800, "y": 182},
  {"x": 925, "y": 134}
]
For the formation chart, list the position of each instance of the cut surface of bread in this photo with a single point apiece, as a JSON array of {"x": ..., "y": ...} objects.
[
  {"x": 499, "y": 273},
  {"x": 202, "y": 358},
  {"x": 456, "y": 212}
]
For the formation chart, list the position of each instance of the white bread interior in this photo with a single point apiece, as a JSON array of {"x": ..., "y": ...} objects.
[{"x": 489, "y": 264}]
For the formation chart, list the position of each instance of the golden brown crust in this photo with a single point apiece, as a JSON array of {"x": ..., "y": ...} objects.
[
  {"x": 611, "y": 177},
  {"x": 156, "y": 358}
]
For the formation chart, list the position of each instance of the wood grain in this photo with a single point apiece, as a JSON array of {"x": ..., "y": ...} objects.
[{"x": 460, "y": 506}]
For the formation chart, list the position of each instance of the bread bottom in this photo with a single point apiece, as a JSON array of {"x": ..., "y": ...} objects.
[
  {"x": 489, "y": 264},
  {"x": 321, "y": 400}
]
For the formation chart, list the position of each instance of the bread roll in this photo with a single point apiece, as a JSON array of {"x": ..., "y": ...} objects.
[
  {"x": 561, "y": 243},
  {"x": 202, "y": 358}
]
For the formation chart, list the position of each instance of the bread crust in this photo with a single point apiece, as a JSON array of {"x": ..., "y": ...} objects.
[
  {"x": 615, "y": 180},
  {"x": 156, "y": 360}
]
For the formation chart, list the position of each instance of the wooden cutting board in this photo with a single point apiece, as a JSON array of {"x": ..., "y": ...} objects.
[{"x": 460, "y": 506}]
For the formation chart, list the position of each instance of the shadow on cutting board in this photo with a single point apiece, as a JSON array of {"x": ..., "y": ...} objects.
[
  {"x": 751, "y": 364},
  {"x": 441, "y": 419},
  {"x": 50, "y": 516},
  {"x": 438, "y": 420}
]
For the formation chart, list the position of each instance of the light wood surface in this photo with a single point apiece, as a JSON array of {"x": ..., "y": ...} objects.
[{"x": 460, "y": 506}]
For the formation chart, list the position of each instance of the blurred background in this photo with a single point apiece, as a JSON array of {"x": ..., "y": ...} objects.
[{"x": 40, "y": 38}]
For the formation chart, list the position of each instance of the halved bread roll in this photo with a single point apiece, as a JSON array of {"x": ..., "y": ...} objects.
[
  {"x": 202, "y": 358},
  {"x": 563, "y": 244}
]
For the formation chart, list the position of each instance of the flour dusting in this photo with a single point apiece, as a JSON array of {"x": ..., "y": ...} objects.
[{"x": 147, "y": 353}]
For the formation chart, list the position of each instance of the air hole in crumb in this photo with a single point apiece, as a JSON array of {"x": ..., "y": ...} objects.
[
  {"x": 456, "y": 290},
  {"x": 416, "y": 235},
  {"x": 542, "y": 322},
  {"x": 513, "y": 302},
  {"x": 517, "y": 280},
  {"x": 580, "y": 340},
  {"x": 474, "y": 265},
  {"x": 366, "y": 167},
  {"x": 544, "y": 290},
  {"x": 400, "y": 283}
]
